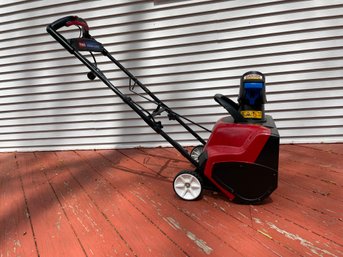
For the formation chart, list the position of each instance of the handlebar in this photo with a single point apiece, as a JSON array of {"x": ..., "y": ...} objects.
[{"x": 69, "y": 21}]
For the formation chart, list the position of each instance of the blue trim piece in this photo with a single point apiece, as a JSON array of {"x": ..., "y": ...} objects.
[{"x": 253, "y": 85}]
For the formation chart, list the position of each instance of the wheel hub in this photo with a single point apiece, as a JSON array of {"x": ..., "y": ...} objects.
[{"x": 187, "y": 186}]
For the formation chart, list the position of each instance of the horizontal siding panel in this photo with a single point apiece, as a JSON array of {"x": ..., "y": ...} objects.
[
  {"x": 195, "y": 76},
  {"x": 315, "y": 132},
  {"x": 116, "y": 126},
  {"x": 335, "y": 21},
  {"x": 244, "y": 38},
  {"x": 228, "y": 87},
  {"x": 229, "y": 58},
  {"x": 11, "y": 2},
  {"x": 235, "y": 51},
  {"x": 145, "y": 30},
  {"x": 209, "y": 11},
  {"x": 184, "y": 51},
  {"x": 108, "y": 8},
  {"x": 139, "y": 138},
  {"x": 139, "y": 134},
  {"x": 335, "y": 60},
  {"x": 50, "y": 118},
  {"x": 78, "y": 6},
  {"x": 30, "y": 6},
  {"x": 71, "y": 99},
  {"x": 90, "y": 133},
  {"x": 287, "y": 110},
  {"x": 93, "y": 116}
]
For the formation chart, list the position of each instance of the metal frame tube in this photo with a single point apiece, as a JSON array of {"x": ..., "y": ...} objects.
[{"x": 126, "y": 99}]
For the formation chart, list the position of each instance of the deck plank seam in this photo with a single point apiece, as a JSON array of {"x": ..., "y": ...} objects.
[
  {"x": 149, "y": 219},
  {"x": 94, "y": 202},
  {"x": 302, "y": 227},
  {"x": 61, "y": 206},
  {"x": 256, "y": 239},
  {"x": 185, "y": 213},
  {"x": 28, "y": 213},
  {"x": 321, "y": 150}
]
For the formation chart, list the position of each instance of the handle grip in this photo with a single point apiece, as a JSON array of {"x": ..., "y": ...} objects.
[
  {"x": 78, "y": 22},
  {"x": 69, "y": 21},
  {"x": 230, "y": 106}
]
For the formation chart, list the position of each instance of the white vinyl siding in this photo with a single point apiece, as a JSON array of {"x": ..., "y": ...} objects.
[{"x": 185, "y": 52}]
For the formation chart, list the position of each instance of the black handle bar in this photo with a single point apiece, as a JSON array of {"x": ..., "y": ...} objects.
[
  {"x": 145, "y": 115},
  {"x": 67, "y": 21}
]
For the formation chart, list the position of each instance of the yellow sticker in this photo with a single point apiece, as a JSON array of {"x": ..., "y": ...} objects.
[
  {"x": 252, "y": 114},
  {"x": 253, "y": 77}
]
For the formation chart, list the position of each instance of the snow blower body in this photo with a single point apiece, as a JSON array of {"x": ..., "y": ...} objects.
[{"x": 240, "y": 157}]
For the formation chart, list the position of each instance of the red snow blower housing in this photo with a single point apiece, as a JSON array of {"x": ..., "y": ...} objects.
[{"x": 240, "y": 157}]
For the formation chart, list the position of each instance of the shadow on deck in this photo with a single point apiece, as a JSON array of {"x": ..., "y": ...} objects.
[{"x": 121, "y": 203}]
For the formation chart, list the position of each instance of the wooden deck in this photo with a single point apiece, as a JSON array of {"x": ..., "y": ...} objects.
[{"x": 121, "y": 203}]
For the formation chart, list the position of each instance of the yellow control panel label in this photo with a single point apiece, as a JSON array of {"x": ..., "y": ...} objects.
[{"x": 252, "y": 114}]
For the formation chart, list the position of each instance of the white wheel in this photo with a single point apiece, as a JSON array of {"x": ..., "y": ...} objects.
[
  {"x": 188, "y": 185},
  {"x": 196, "y": 151}
]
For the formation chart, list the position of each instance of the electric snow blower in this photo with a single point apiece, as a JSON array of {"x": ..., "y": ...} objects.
[{"x": 240, "y": 158}]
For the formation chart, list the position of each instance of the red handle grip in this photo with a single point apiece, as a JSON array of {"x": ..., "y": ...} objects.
[
  {"x": 78, "y": 22},
  {"x": 69, "y": 21}
]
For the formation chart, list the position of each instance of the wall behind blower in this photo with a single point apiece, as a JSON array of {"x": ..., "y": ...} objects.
[{"x": 186, "y": 52}]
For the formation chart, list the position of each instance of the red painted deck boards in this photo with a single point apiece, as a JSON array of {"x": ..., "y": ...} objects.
[
  {"x": 54, "y": 234},
  {"x": 121, "y": 203},
  {"x": 16, "y": 235}
]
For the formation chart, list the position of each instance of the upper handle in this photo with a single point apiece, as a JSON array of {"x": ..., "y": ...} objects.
[{"x": 69, "y": 21}]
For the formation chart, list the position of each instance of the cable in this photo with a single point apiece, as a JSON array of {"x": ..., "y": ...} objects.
[
  {"x": 131, "y": 88},
  {"x": 95, "y": 63},
  {"x": 80, "y": 31},
  {"x": 189, "y": 120}
]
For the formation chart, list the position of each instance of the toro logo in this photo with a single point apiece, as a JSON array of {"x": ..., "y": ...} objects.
[{"x": 82, "y": 44}]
